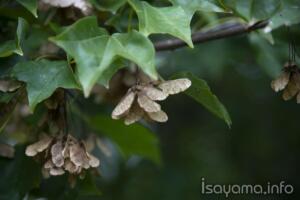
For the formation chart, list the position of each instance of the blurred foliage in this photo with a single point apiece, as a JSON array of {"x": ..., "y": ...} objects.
[{"x": 147, "y": 160}]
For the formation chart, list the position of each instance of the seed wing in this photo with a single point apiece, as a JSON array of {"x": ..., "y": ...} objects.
[
  {"x": 93, "y": 161},
  {"x": 39, "y": 146},
  {"x": 147, "y": 104},
  {"x": 56, "y": 153},
  {"x": 281, "y": 82},
  {"x": 175, "y": 86},
  {"x": 78, "y": 156},
  {"x": 56, "y": 171},
  {"x": 159, "y": 116},
  {"x": 290, "y": 91},
  {"x": 124, "y": 105},
  {"x": 135, "y": 114},
  {"x": 154, "y": 93}
]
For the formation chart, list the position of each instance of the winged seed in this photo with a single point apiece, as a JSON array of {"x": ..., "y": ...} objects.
[
  {"x": 124, "y": 105},
  {"x": 147, "y": 104},
  {"x": 39, "y": 146},
  {"x": 159, "y": 116},
  {"x": 281, "y": 82},
  {"x": 154, "y": 93},
  {"x": 175, "y": 86}
]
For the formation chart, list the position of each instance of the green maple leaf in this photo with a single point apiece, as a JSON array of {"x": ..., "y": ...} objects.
[{"x": 95, "y": 51}]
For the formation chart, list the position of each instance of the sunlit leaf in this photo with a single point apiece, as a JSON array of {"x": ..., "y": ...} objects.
[
  {"x": 14, "y": 46},
  {"x": 254, "y": 9},
  {"x": 131, "y": 140},
  {"x": 202, "y": 93},
  {"x": 191, "y": 6},
  {"x": 43, "y": 77},
  {"x": 30, "y": 5},
  {"x": 171, "y": 20},
  {"x": 288, "y": 15},
  {"x": 94, "y": 51},
  {"x": 108, "y": 5}
]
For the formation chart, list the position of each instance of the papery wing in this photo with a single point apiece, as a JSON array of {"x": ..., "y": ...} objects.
[
  {"x": 175, "y": 86},
  {"x": 281, "y": 82},
  {"x": 56, "y": 153},
  {"x": 124, "y": 105},
  {"x": 290, "y": 91},
  {"x": 39, "y": 146},
  {"x": 135, "y": 114},
  {"x": 147, "y": 104},
  {"x": 56, "y": 171},
  {"x": 78, "y": 156},
  {"x": 154, "y": 93},
  {"x": 93, "y": 161},
  {"x": 159, "y": 116}
]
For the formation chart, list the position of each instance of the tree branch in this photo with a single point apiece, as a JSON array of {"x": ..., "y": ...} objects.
[{"x": 221, "y": 31}]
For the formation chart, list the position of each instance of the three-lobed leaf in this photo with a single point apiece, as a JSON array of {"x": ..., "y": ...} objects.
[
  {"x": 95, "y": 51},
  {"x": 201, "y": 92},
  {"x": 14, "y": 46},
  {"x": 108, "y": 5},
  {"x": 171, "y": 20},
  {"x": 43, "y": 77},
  {"x": 30, "y": 5},
  {"x": 191, "y": 6},
  {"x": 254, "y": 9}
]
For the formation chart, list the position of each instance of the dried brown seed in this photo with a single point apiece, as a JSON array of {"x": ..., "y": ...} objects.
[
  {"x": 56, "y": 153},
  {"x": 154, "y": 93},
  {"x": 93, "y": 161},
  {"x": 175, "y": 86},
  {"x": 124, "y": 105},
  {"x": 78, "y": 156},
  {"x": 9, "y": 85},
  {"x": 83, "y": 5},
  {"x": 70, "y": 167},
  {"x": 56, "y": 171},
  {"x": 159, "y": 116},
  {"x": 135, "y": 114},
  {"x": 39, "y": 146},
  {"x": 48, "y": 164},
  {"x": 281, "y": 82},
  {"x": 290, "y": 91},
  {"x": 147, "y": 104}
]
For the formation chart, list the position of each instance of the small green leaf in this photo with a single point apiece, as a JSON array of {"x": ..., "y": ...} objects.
[
  {"x": 108, "y": 5},
  {"x": 30, "y": 5},
  {"x": 43, "y": 77},
  {"x": 171, "y": 20},
  {"x": 201, "y": 92},
  {"x": 191, "y": 6},
  {"x": 14, "y": 46},
  {"x": 94, "y": 51},
  {"x": 254, "y": 9},
  {"x": 288, "y": 15},
  {"x": 132, "y": 140}
]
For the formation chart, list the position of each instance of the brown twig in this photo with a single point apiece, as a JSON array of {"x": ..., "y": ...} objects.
[{"x": 221, "y": 31}]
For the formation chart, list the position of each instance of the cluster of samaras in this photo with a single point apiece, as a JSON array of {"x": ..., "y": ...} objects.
[
  {"x": 289, "y": 82},
  {"x": 140, "y": 100},
  {"x": 62, "y": 154}
]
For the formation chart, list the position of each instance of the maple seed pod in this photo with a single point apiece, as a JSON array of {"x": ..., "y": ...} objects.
[
  {"x": 140, "y": 100},
  {"x": 289, "y": 82},
  {"x": 63, "y": 154}
]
